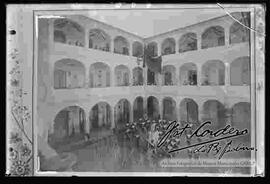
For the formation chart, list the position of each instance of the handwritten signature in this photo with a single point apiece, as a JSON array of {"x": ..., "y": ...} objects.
[
  {"x": 216, "y": 148},
  {"x": 174, "y": 130}
]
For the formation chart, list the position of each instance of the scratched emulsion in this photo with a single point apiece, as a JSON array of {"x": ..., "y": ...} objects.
[{"x": 103, "y": 92}]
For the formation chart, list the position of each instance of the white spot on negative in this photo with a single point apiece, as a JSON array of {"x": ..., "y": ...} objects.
[
  {"x": 133, "y": 5},
  {"x": 118, "y": 5}
]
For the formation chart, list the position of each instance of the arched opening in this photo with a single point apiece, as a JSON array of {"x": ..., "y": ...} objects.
[
  {"x": 241, "y": 119},
  {"x": 152, "y": 78},
  {"x": 152, "y": 49},
  {"x": 68, "y": 31},
  {"x": 239, "y": 33},
  {"x": 138, "y": 110},
  {"x": 188, "y": 74},
  {"x": 213, "y": 37},
  {"x": 188, "y": 42},
  {"x": 137, "y": 76},
  {"x": 99, "y": 40},
  {"x": 168, "y": 73},
  {"x": 68, "y": 73},
  {"x": 99, "y": 75},
  {"x": 188, "y": 111},
  {"x": 153, "y": 108},
  {"x": 213, "y": 73},
  {"x": 215, "y": 112},
  {"x": 69, "y": 126},
  {"x": 169, "y": 109},
  {"x": 121, "y": 45},
  {"x": 122, "y": 113},
  {"x": 59, "y": 36},
  {"x": 100, "y": 117},
  {"x": 168, "y": 46},
  {"x": 137, "y": 49},
  {"x": 121, "y": 75},
  {"x": 240, "y": 71}
]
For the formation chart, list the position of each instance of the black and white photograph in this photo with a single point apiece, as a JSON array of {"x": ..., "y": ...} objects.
[{"x": 135, "y": 90}]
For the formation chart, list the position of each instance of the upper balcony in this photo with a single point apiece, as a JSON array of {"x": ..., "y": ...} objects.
[
  {"x": 69, "y": 38},
  {"x": 224, "y": 53},
  {"x": 88, "y": 55}
]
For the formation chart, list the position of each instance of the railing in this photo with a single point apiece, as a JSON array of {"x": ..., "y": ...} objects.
[{"x": 61, "y": 95}]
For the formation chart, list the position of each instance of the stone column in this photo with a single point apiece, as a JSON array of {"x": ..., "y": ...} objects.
[
  {"x": 177, "y": 76},
  {"x": 199, "y": 74},
  {"x": 70, "y": 122},
  {"x": 50, "y": 127},
  {"x": 200, "y": 113},
  {"x": 45, "y": 128},
  {"x": 159, "y": 48},
  {"x": 87, "y": 122},
  {"x": 112, "y": 75},
  {"x": 144, "y": 105},
  {"x": 145, "y": 75},
  {"x": 87, "y": 78},
  {"x": 227, "y": 35},
  {"x": 112, "y": 118},
  {"x": 112, "y": 45},
  {"x": 131, "y": 114},
  {"x": 76, "y": 120},
  {"x": 100, "y": 109},
  {"x": 176, "y": 45},
  {"x": 177, "y": 108},
  {"x": 130, "y": 76},
  {"x": 51, "y": 33},
  {"x": 227, "y": 74},
  {"x": 161, "y": 109},
  {"x": 160, "y": 80},
  {"x": 130, "y": 48},
  {"x": 199, "y": 40},
  {"x": 228, "y": 113},
  {"x": 86, "y": 38}
]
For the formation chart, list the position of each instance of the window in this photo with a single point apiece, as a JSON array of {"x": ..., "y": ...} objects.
[
  {"x": 99, "y": 40},
  {"x": 168, "y": 46},
  {"x": 192, "y": 77},
  {"x": 60, "y": 79},
  {"x": 188, "y": 42},
  {"x": 213, "y": 37},
  {"x": 68, "y": 31},
  {"x": 59, "y": 36}
]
